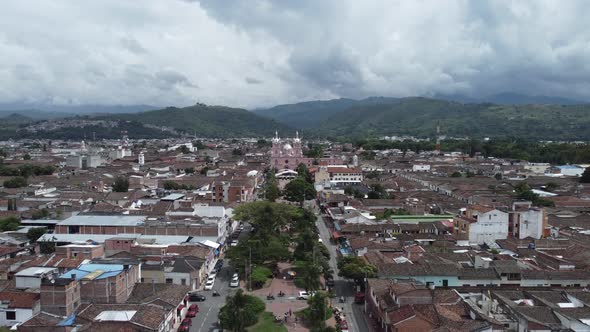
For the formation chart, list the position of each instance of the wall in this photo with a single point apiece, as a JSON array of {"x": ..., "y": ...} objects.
[
  {"x": 22, "y": 315},
  {"x": 27, "y": 282},
  {"x": 490, "y": 226}
]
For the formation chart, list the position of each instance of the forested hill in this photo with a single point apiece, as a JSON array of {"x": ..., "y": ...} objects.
[
  {"x": 419, "y": 116},
  {"x": 208, "y": 121},
  {"x": 310, "y": 113}
]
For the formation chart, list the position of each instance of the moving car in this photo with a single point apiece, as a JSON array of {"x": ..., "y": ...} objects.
[
  {"x": 209, "y": 284},
  {"x": 303, "y": 295},
  {"x": 196, "y": 297}
]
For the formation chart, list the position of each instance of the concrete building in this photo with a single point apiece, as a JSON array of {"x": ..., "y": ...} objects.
[
  {"x": 480, "y": 225},
  {"x": 30, "y": 278},
  {"x": 102, "y": 282},
  {"x": 18, "y": 307}
]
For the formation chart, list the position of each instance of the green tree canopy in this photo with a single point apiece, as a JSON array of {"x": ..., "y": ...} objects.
[
  {"x": 121, "y": 184},
  {"x": 585, "y": 178},
  {"x": 33, "y": 234},
  {"x": 9, "y": 224},
  {"x": 240, "y": 311},
  {"x": 354, "y": 267},
  {"x": 15, "y": 182},
  {"x": 271, "y": 190},
  {"x": 299, "y": 190}
]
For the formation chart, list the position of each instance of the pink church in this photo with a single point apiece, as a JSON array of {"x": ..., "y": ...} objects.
[{"x": 285, "y": 155}]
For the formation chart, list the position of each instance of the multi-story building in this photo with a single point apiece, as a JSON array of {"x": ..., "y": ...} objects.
[{"x": 480, "y": 224}]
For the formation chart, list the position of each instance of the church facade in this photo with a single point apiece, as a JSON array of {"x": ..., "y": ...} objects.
[{"x": 288, "y": 154}]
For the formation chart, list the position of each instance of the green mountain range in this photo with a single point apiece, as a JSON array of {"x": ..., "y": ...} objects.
[
  {"x": 419, "y": 116},
  {"x": 208, "y": 121}
]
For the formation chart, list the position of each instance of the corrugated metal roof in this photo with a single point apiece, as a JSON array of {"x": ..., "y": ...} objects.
[{"x": 103, "y": 220}]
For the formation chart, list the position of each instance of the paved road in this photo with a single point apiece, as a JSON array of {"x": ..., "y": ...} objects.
[
  {"x": 355, "y": 318},
  {"x": 207, "y": 318}
]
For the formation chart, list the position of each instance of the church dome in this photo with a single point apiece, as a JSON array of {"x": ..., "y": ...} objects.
[{"x": 287, "y": 146}]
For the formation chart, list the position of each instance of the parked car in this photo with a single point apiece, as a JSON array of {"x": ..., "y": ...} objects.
[
  {"x": 303, "y": 295},
  {"x": 211, "y": 276},
  {"x": 234, "y": 243},
  {"x": 185, "y": 326},
  {"x": 209, "y": 284},
  {"x": 191, "y": 313},
  {"x": 194, "y": 307},
  {"x": 235, "y": 276},
  {"x": 196, "y": 297},
  {"x": 235, "y": 282}
]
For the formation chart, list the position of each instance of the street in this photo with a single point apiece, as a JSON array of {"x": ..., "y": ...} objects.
[
  {"x": 207, "y": 318},
  {"x": 355, "y": 318}
]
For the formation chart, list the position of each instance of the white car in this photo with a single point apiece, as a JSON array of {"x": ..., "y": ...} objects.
[
  {"x": 234, "y": 243},
  {"x": 211, "y": 277},
  {"x": 303, "y": 295},
  {"x": 235, "y": 282},
  {"x": 209, "y": 284}
]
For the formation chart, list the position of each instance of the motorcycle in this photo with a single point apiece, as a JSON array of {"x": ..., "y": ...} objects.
[
  {"x": 281, "y": 294},
  {"x": 216, "y": 293},
  {"x": 270, "y": 297}
]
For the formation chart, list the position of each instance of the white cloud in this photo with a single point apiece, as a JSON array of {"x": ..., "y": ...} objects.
[{"x": 262, "y": 52}]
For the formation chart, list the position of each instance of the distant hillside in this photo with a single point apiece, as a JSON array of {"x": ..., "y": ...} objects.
[
  {"x": 311, "y": 113},
  {"x": 40, "y": 111},
  {"x": 14, "y": 119},
  {"x": 208, "y": 121},
  {"x": 419, "y": 116},
  {"x": 510, "y": 98}
]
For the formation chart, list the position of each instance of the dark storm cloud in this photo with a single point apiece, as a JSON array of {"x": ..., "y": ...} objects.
[{"x": 263, "y": 52}]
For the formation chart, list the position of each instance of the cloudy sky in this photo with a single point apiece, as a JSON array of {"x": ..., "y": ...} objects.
[{"x": 254, "y": 53}]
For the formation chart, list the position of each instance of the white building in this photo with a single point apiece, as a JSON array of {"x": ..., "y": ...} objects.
[
  {"x": 338, "y": 175},
  {"x": 18, "y": 307},
  {"x": 30, "y": 278},
  {"x": 481, "y": 225},
  {"x": 420, "y": 168}
]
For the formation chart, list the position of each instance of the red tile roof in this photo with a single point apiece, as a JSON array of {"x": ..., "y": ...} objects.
[{"x": 21, "y": 300}]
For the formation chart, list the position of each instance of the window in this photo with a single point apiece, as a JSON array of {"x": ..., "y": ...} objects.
[
  {"x": 11, "y": 315},
  {"x": 168, "y": 280},
  {"x": 183, "y": 282}
]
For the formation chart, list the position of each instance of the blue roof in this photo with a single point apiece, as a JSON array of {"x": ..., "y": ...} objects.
[
  {"x": 337, "y": 226},
  {"x": 109, "y": 270},
  {"x": 68, "y": 321},
  {"x": 568, "y": 166}
]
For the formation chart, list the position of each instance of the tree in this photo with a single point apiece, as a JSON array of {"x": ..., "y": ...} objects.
[
  {"x": 498, "y": 176},
  {"x": 299, "y": 190},
  {"x": 240, "y": 311},
  {"x": 259, "y": 276},
  {"x": 303, "y": 172},
  {"x": 456, "y": 174},
  {"x": 183, "y": 149},
  {"x": 15, "y": 182},
  {"x": 271, "y": 190},
  {"x": 377, "y": 192},
  {"x": 354, "y": 267},
  {"x": 189, "y": 170},
  {"x": 121, "y": 184},
  {"x": 268, "y": 217},
  {"x": 27, "y": 157},
  {"x": 9, "y": 224},
  {"x": 309, "y": 274},
  {"x": 33, "y": 234},
  {"x": 585, "y": 178},
  {"x": 318, "y": 311}
]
